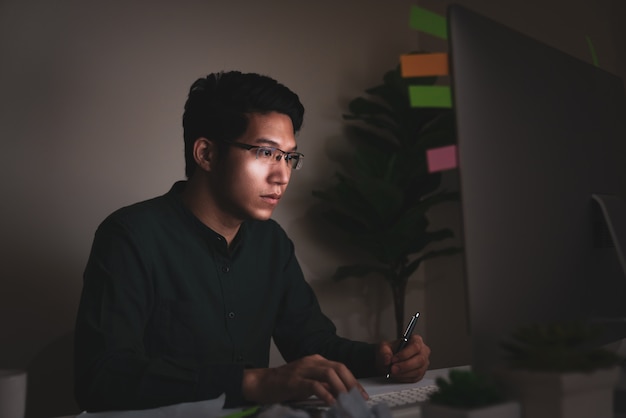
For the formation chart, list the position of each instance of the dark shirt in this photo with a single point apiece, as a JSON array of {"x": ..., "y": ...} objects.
[{"x": 170, "y": 314}]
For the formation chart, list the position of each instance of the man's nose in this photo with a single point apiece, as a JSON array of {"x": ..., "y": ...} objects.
[{"x": 281, "y": 171}]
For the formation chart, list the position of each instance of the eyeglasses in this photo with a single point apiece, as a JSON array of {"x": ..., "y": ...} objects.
[{"x": 271, "y": 155}]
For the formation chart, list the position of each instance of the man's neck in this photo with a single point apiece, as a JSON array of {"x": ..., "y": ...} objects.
[{"x": 197, "y": 198}]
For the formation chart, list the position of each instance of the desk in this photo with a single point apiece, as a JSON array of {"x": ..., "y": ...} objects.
[{"x": 213, "y": 407}]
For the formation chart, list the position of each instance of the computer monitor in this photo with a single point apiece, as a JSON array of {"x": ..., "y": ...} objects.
[{"x": 540, "y": 133}]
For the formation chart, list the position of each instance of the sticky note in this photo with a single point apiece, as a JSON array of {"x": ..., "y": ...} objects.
[
  {"x": 244, "y": 413},
  {"x": 430, "y": 96},
  {"x": 440, "y": 159},
  {"x": 429, "y": 22},
  {"x": 424, "y": 65},
  {"x": 592, "y": 50}
]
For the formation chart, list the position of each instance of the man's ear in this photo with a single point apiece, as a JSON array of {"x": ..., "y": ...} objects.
[{"x": 204, "y": 153}]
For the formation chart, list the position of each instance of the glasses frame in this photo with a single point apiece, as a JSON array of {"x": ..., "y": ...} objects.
[{"x": 285, "y": 155}]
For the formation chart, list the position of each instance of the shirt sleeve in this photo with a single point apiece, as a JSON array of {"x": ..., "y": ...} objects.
[
  {"x": 303, "y": 329},
  {"x": 112, "y": 369}
]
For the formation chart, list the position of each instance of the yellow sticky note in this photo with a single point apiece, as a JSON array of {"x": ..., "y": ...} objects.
[
  {"x": 429, "y": 22},
  {"x": 424, "y": 65},
  {"x": 430, "y": 96}
]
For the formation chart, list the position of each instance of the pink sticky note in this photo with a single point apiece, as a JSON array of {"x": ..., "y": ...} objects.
[{"x": 440, "y": 159}]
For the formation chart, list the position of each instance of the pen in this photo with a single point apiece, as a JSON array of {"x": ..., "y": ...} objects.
[{"x": 405, "y": 337}]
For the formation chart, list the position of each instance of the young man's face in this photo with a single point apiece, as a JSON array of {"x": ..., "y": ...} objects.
[{"x": 250, "y": 188}]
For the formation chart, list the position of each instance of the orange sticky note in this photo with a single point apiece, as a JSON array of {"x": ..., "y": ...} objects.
[
  {"x": 440, "y": 159},
  {"x": 424, "y": 65}
]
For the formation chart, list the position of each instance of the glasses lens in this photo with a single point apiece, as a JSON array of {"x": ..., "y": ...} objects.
[
  {"x": 271, "y": 155},
  {"x": 294, "y": 159},
  {"x": 268, "y": 155}
]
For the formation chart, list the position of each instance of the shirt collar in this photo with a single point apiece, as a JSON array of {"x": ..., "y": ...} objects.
[{"x": 214, "y": 239}]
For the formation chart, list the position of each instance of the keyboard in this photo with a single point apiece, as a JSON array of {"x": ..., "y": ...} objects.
[{"x": 405, "y": 403}]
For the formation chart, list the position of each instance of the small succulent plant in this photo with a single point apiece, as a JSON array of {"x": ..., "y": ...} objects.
[
  {"x": 561, "y": 347},
  {"x": 466, "y": 389}
]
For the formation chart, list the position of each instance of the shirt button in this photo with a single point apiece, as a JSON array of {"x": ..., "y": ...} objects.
[
  {"x": 225, "y": 268},
  {"x": 240, "y": 358},
  {"x": 231, "y": 315}
]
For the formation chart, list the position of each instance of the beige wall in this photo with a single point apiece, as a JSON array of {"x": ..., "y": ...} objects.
[{"x": 91, "y": 96}]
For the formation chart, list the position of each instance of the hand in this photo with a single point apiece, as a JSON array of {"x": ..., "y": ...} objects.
[
  {"x": 298, "y": 380},
  {"x": 407, "y": 366}
]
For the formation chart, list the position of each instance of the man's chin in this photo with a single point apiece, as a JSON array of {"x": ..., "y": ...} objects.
[{"x": 261, "y": 215}]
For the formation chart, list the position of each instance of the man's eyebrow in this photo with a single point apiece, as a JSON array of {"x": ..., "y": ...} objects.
[{"x": 273, "y": 144}]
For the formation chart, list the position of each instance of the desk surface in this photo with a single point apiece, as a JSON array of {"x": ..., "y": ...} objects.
[{"x": 213, "y": 407}]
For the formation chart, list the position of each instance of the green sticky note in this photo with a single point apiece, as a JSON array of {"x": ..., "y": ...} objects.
[
  {"x": 244, "y": 413},
  {"x": 430, "y": 96},
  {"x": 429, "y": 22},
  {"x": 594, "y": 57}
]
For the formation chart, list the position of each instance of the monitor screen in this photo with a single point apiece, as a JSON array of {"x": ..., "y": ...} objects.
[{"x": 540, "y": 133}]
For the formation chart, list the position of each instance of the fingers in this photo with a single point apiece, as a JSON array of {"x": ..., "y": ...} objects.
[
  {"x": 321, "y": 391},
  {"x": 328, "y": 392},
  {"x": 312, "y": 375},
  {"x": 336, "y": 376},
  {"x": 385, "y": 350},
  {"x": 410, "y": 364},
  {"x": 412, "y": 348}
]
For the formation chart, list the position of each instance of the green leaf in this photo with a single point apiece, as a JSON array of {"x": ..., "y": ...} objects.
[
  {"x": 361, "y": 106},
  {"x": 561, "y": 347},
  {"x": 466, "y": 389}
]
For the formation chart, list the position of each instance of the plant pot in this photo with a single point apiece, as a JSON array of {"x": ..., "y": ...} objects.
[
  {"x": 503, "y": 410},
  {"x": 563, "y": 395}
]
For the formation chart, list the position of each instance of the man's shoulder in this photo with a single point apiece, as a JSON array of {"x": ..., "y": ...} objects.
[
  {"x": 141, "y": 210},
  {"x": 147, "y": 211}
]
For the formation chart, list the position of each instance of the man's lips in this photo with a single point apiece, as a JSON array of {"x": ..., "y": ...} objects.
[{"x": 272, "y": 197}]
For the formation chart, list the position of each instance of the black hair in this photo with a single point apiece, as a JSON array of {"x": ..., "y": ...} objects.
[{"x": 218, "y": 104}]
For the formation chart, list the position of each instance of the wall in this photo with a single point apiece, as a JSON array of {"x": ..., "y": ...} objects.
[{"x": 91, "y": 97}]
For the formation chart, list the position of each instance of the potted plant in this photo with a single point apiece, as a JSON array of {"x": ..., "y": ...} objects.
[
  {"x": 558, "y": 371},
  {"x": 381, "y": 195},
  {"x": 467, "y": 394}
]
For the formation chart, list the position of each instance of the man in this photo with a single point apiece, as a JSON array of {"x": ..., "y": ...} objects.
[{"x": 183, "y": 293}]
